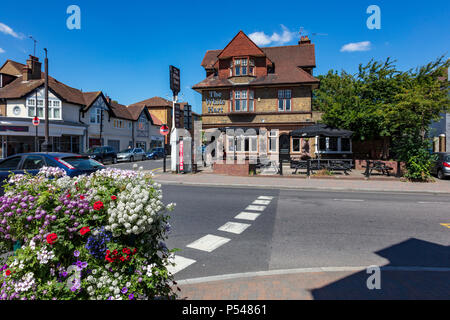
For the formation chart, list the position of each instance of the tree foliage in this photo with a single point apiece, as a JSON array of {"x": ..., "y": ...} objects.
[{"x": 381, "y": 101}]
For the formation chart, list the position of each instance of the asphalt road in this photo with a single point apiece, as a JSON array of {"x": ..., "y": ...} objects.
[
  {"x": 153, "y": 165},
  {"x": 300, "y": 229}
]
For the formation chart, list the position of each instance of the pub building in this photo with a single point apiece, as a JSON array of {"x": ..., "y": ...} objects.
[{"x": 247, "y": 86}]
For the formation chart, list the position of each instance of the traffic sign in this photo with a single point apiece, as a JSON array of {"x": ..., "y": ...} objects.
[
  {"x": 36, "y": 121},
  {"x": 164, "y": 130}
]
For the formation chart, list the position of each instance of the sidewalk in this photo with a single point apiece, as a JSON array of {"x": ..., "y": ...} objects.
[
  {"x": 313, "y": 284},
  {"x": 292, "y": 182}
]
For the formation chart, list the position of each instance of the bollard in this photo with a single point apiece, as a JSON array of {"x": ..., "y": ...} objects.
[
  {"x": 308, "y": 168},
  {"x": 281, "y": 167}
]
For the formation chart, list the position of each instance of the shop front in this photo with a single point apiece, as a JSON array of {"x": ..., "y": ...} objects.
[{"x": 21, "y": 137}]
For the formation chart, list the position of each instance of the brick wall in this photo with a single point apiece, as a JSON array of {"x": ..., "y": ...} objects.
[{"x": 232, "y": 169}]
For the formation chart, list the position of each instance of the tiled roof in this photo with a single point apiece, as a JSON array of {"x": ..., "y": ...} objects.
[
  {"x": 90, "y": 97},
  {"x": 288, "y": 61},
  {"x": 19, "y": 88},
  {"x": 120, "y": 110},
  {"x": 135, "y": 110},
  {"x": 154, "y": 102}
]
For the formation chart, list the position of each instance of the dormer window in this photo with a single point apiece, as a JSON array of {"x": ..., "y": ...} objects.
[{"x": 242, "y": 67}]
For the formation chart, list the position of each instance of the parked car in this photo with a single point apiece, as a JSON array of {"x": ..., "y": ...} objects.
[
  {"x": 155, "y": 153},
  {"x": 102, "y": 154},
  {"x": 441, "y": 166},
  {"x": 73, "y": 164},
  {"x": 132, "y": 154}
]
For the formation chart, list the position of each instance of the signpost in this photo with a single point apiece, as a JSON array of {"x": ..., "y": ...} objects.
[
  {"x": 175, "y": 87},
  {"x": 164, "y": 130},
  {"x": 35, "y": 123}
]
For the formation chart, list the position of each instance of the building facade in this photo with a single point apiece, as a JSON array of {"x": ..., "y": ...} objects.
[
  {"x": 261, "y": 88},
  {"x": 77, "y": 120}
]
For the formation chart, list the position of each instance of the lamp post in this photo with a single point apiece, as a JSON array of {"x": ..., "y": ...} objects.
[{"x": 46, "y": 147}]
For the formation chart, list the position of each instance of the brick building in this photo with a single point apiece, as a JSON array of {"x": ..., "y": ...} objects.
[{"x": 251, "y": 87}]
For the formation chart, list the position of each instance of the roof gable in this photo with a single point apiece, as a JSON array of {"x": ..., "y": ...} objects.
[{"x": 241, "y": 45}]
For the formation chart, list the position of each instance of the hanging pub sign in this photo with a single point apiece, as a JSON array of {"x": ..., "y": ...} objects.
[{"x": 174, "y": 80}]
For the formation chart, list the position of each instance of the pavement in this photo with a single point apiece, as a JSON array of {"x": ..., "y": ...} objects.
[
  {"x": 291, "y": 182},
  {"x": 322, "y": 284}
]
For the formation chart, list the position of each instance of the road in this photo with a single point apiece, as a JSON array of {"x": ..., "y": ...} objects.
[
  {"x": 153, "y": 165},
  {"x": 301, "y": 229}
]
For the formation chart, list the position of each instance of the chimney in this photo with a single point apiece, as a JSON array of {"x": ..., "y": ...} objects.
[
  {"x": 35, "y": 66},
  {"x": 304, "y": 40},
  {"x": 26, "y": 72}
]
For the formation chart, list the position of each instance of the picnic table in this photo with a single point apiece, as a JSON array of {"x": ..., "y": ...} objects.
[
  {"x": 319, "y": 164},
  {"x": 379, "y": 166}
]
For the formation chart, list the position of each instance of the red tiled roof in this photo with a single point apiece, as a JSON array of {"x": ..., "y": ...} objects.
[
  {"x": 19, "y": 88},
  {"x": 288, "y": 61},
  {"x": 154, "y": 102},
  {"x": 120, "y": 110},
  {"x": 90, "y": 97}
]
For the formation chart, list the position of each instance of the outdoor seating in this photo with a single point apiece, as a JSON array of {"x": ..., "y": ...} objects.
[
  {"x": 379, "y": 166},
  {"x": 319, "y": 164}
]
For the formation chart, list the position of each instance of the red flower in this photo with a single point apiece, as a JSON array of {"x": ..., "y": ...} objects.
[
  {"x": 98, "y": 205},
  {"x": 135, "y": 250},
  {"x": 8, "y": 272},
  {"x": 126, "y": 250},
  {"x": 68, "y": 195},
  {"x": 51, "y": 238},
  {"x": 82, "y": 197},
  {"x": 84, "y": 230},
  {"x": 113, "y": 197}
]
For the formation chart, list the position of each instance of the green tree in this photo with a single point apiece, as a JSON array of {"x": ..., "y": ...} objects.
[{"x": 379, "y": 101}]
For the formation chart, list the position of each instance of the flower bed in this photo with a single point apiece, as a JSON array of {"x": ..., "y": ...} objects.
[{"x": 89, "y": 237}]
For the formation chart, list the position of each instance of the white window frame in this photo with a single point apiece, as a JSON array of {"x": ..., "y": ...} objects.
[
  {"x": 97, "y": 113},
  {"x": 327, "y": 145},
  {"x": 284, "y": 95}
]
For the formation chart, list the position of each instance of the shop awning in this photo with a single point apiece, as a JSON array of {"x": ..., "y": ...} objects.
[{"x": 321, "y": 129}]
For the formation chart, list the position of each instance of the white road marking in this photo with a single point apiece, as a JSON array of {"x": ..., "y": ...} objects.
[
  {"x": 234, "y": 227},
  {"x": 247, "y": 216},
  {"x": 255, "y": 208},
  {"x": 353, "y": 200},
  {"x": 264, "y": 202},
  {"x": 180, "y": 264},
  {"x": 208, "y": 243},
  {"x": 265, "y": 197},
  {"x": 306, "y": 270},
  {"x": 431, "y": 202}
]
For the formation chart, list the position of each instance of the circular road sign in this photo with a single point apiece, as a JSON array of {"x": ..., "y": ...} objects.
[
  {"x": 164, "y": 130},
  {"x": 36, "y": 121}
]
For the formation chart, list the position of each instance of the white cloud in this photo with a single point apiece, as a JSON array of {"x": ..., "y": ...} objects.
[
  {"x": 262, "y": 39},
  {"x": 2, "y": 51},
  {"x": 7, "y": 30},
  {"x": 356, "y": 46}
]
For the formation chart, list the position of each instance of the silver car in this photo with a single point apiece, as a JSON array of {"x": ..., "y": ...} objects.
[
  {"x": 441, "y": 166},
  {"x": 132, "y": 154}
]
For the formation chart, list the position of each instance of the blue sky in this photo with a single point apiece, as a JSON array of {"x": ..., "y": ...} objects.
[{"x": 124, "y": 48}]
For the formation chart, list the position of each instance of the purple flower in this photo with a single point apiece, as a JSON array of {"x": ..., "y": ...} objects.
[
  {"x": 124, "y": 290},
  {"x": 76, "y": 253},
  {"x": 131, "y": 296}
]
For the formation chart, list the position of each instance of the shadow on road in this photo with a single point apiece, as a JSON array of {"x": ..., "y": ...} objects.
[{"x": 396, "y": 282}]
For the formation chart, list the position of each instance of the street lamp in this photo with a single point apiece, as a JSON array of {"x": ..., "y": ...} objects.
[{"x": 46, "y": 146}]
